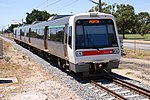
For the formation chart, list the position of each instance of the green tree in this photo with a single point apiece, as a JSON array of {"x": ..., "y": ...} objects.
[
  {"x": 125, "y": 17},
  {"x": 12, "y": 26},
  {"x": 144, "y": 23},
  {"x": 144, "y": 17},
  {"x": 105, "y": 8},
  {"x": 36, "y": 15},
  {"x": 145, "y": 29}
]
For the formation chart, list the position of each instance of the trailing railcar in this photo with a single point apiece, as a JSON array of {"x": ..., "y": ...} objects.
[{"x": 87, "y": 43}]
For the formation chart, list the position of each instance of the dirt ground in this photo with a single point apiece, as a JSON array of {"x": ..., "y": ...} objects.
[
  {"x": 135, "y": 69},
  {"x": 135, "y": 65},
  {"x": 30, "y": 78}
]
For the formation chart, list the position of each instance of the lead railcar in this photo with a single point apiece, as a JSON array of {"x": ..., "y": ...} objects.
[{"x": 86, "y": 43}]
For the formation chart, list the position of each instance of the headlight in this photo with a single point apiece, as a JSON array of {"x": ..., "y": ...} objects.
[
  {"x": 79, "y": 53},
  {"x": 115, "y": 51}
]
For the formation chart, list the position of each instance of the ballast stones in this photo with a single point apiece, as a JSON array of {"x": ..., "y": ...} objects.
[{"x": 29, "y": 96}]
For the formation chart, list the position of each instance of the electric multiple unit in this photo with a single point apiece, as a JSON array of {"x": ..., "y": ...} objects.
[{"x": 86, "y": 42}]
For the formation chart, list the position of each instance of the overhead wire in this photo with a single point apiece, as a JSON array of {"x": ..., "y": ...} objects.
[
  {"x": 51, "y": 4},
  {"x": 64, "y": 3},
  {"x": 64, "y": 6},
  {"x": 67, "y": 4},
  {"x": 42, "y": 3}
]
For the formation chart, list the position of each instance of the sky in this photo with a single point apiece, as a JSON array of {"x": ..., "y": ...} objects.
[{"x": 13, "y": 11}]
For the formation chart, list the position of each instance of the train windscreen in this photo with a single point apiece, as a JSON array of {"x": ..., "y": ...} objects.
[{"x": 95, "y": 34}]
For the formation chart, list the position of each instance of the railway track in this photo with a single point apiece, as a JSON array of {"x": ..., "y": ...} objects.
[
  {"x": 119, "y": 89},
  {"x": 131, "y": 87}
]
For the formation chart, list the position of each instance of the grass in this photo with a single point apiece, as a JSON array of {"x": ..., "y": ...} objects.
[
  {"x": 120, "y": 68},
  {"x": 129, "y": 73},
  {"x": 146, "y": 37},
  {"x": 5, "y": 66},
  {"x": 6, "y": 45},
  {"x": 139, "y": 54}
]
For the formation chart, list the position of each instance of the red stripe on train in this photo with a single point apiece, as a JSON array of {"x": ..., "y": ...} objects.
[{"x": 96, "y": 52}]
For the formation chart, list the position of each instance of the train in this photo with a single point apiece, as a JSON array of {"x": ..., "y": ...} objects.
[{"x": 86, "y": 43}]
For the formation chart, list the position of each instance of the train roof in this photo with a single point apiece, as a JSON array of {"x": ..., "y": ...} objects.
[
  {"x": 57, "y": 17},
  {"x": 60, "y": 20},
  {"x": 54, "y": 21}
]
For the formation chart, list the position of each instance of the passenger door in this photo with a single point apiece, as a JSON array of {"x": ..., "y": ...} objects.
[{"x": 65, "y": 42}]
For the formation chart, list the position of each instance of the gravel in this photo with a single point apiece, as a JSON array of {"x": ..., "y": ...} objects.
[
  {"x": 80, "y": 88},
  {"x": 135, "y": 82}
]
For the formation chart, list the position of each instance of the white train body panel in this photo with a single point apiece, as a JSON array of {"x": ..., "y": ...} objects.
[{"x": 92, "y": 58}]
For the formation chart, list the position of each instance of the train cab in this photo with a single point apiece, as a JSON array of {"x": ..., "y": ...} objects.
[{"x": 95, "y": 44}]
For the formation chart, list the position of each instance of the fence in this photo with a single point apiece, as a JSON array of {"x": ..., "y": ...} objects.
[{"x": 121, "y": 42}]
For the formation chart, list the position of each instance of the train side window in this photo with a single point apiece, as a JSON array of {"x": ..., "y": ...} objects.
[
  {"x": 49, "y": 33},
  {"x": 60, "y": 34},
  {"x": 53, "y": 34},
  {"x": 21, "y": 32},
  {"x": 70, "y": 36},
  {"x": 33, "y": 33},
  {"x": 27, "y": 32},
  {"x": 40, "y": 33},
  {"x": 112, "y": 35},
  {"x": 24, "y": 32}
]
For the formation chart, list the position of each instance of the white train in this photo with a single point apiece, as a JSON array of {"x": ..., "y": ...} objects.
[{"x": 86, "y": 43}]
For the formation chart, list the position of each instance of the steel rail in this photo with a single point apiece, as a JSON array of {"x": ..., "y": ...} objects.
[
  {"x": 103, "y": 88},
  {"x": 130, "y": 86},
  {"x": 107, "y": 90}
]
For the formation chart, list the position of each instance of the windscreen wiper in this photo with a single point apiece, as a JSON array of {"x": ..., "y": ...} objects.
[{"x": 89, "y": 39}]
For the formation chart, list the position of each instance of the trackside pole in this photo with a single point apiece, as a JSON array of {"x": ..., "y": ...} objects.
[{"x": 1, "y": 49}]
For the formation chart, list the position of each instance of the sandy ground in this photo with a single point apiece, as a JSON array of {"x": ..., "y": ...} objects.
[
  {"x": 136, "y": 69},
  {"x": 31, "y": 78}
]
